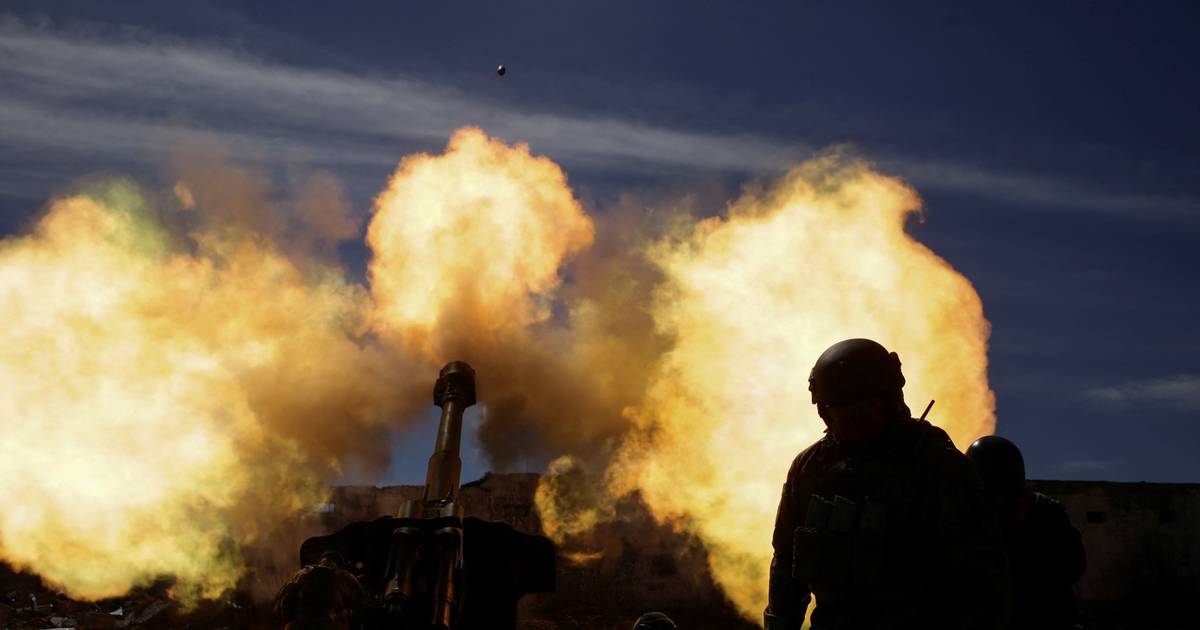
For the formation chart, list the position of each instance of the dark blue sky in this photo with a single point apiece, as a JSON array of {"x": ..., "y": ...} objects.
[{"x": 1057, "y": 147}]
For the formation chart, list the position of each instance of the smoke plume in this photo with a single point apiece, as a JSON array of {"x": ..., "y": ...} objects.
[
  {"x": 165, "y": 404},
  {"x": 178, "y": 378}
]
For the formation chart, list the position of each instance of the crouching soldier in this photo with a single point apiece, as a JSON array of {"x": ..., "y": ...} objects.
[{"x": 322, "y": 596}]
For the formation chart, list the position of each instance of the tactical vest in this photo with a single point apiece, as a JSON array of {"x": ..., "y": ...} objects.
[{"x": 868, "y": 528}]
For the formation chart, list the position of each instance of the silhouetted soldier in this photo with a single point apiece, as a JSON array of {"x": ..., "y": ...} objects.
[
  {"x": 882, "y": 519},
  {"x": 1045, "y": 552},
  {"x": 654, "y": 621},
  {"x": 322, "y": 596}
]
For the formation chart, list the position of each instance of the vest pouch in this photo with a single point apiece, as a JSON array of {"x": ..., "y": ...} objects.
[
  {"x": 870, "y": 550},
  {"x": 807, "y": 540},
  {"x": 837, "y": 556},
  {"x": 818, "y": 513}
]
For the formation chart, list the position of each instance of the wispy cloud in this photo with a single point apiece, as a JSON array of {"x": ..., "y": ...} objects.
[
  {"x": 110, "y": 98},
  {"x": 1088, "y": 466},
  {"x": 1179, "y": 392},
  {"x": 1042, "y": 191},
  {"x": 90, "y": 95}
]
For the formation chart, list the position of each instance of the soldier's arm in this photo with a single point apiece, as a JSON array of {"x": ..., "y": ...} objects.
[
  {"x": 978, "y": 587},
  {"x": 1065, "y": 545},
  {"x": 787, "y": 597}
]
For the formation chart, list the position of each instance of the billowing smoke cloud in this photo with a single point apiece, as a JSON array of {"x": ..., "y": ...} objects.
[
  {"x": 469, "y": 251},
  {"x": 164, "y": 403},
  {"x": 674, "y": 361},
  {"x": 307, "y": 223},
  {"x": 217, "y": 351},
  {"x": 749, "y": 301}
]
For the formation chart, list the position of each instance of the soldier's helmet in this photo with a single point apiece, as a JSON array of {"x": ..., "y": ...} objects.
[
  {"x": 654, "y": 621},
  {"x": 854, "y": 370},
  {"x": 1000, "y": 465}
]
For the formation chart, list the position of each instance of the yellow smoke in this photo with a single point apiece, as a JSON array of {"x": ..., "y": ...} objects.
[
  {"x": 173, "y": 387},
  {"x": 679, "y": 364},
  {"x": 166, "y": 396},
  {"x": 467, "y": 245},
  {"x": 469, "y": 248},
  {"x": 570, "y": 503},
  {"x": 161, "y": 407},
  {"x": 751, "y": 300}
]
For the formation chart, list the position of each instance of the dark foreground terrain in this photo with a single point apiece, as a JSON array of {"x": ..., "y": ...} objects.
[
  {"x": 26, "y": 605},
  {"x": 1142, "y": 540}
]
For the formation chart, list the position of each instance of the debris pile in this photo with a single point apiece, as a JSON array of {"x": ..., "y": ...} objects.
[{"x": 27, "y": 604}]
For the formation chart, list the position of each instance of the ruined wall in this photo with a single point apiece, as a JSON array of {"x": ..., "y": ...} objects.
[{"x": 1142, "y": 541}]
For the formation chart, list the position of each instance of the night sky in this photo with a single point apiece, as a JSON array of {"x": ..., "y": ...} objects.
[{"x": 1056, "y": 146}]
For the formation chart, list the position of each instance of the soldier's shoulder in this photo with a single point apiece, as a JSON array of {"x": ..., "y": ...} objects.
[
  {"x": 1046, "y": 508},
  {"x": 930, "y": 434},
  {"x": 1046, "y": 502},
  {"x": 815, "y": 453},
  {"x": 943, "y": 462},
  {"x": 307, "y": 569},
  {"x": 932, "y": 442}
]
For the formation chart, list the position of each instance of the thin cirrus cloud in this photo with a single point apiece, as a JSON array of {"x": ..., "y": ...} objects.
[
  {"x": 1085, "y": 466},
  {"x": 120, "y": 96},
  {"x": 83, "y": 94},
  {"x": 1179, "y": 393}
]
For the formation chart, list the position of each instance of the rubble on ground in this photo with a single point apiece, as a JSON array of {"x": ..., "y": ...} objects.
[{"x": 27, "y": 604}]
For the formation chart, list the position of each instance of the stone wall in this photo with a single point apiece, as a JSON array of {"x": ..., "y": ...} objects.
[{"x": 1143, "y": 545}]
